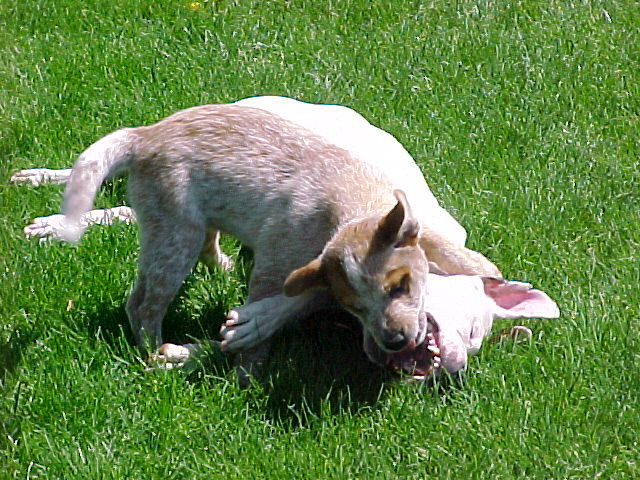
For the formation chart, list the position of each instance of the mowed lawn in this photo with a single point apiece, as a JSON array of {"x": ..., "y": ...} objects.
[{"x": 524, "y": 118}]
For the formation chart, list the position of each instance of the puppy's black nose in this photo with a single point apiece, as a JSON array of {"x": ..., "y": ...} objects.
[{"x": 394, "y": 340}]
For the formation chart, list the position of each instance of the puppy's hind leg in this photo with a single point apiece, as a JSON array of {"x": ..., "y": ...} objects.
[{"x": 167, "y": 254}]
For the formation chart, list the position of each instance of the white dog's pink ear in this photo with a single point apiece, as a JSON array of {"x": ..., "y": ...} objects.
[
  {"x": 305, "y": 278},
  {"x": 517, "y": 300}
]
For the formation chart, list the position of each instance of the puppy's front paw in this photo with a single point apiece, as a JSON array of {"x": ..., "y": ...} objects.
[{"x": 245, "y": 328}]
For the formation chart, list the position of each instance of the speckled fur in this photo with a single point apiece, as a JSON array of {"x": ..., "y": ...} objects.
[{"x": 297, "y": 201}]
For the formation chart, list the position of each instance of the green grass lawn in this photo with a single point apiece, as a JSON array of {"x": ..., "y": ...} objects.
[{"x": 524, "y": 117}]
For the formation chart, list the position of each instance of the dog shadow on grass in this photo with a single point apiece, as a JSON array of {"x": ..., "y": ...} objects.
[
  {"x": 180, "y": 326},
  {"x": 319, "y": 367},
  {"x": 316, "y": 367}
]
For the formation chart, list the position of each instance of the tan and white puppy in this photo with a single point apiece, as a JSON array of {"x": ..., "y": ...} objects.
[{"x": 303, "y": 205}]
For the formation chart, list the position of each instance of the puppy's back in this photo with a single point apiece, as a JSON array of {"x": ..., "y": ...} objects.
[{"x": 222, "y": 163}]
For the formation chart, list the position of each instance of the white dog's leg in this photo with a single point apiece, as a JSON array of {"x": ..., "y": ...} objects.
[
  {"x": 39, "y": 176},
  {"x": 246, "y": 332},
  {"x": 212, "y": 254},
  {"x": 52, "y": 225}
]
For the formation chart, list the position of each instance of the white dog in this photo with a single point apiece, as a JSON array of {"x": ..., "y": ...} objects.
[{"x": 454, "y": 327}]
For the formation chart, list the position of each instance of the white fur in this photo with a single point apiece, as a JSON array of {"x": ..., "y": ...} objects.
[
  {"x": 340, "y": 126},
  {"x": 465, "y": 313},
  {"x": 53, "y": 226},
  {"x": 348, "y": 129}
]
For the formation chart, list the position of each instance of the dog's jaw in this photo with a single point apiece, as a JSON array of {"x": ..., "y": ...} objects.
[{"x": 416, "y": 362}]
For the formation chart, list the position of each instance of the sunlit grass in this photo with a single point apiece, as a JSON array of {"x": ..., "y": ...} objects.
[{"x": 524, "y": 117}]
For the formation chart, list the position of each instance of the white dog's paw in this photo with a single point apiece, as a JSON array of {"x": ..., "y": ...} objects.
[
  {"x": 217, "y": 259},
  {"x": 38, "y": 176},
  {"x": 52, "y": 226},
  {"x": 45, "y": 227},
  {"x": 170, "y": 356},
  {"x": 225, "y": 262},
  {"x": 517, "y": 333},
  {"x": 107, "y": 216},
  {"x": 229, "y": 332}
]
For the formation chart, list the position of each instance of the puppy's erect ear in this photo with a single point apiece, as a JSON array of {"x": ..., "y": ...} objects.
[
  {"x": 305, "y": 278},
  {"x": 398, "y": 228}
]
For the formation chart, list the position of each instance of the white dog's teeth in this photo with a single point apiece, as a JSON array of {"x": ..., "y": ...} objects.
[
  {"x": 435, "y": 363},
  {"x": 432, "y": 345}
]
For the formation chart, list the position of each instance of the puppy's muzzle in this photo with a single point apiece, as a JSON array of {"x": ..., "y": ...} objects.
[{"x": 394, "y": 340}]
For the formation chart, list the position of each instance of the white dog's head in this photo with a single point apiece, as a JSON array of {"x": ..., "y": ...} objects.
[
  {"x": 460, "y": 311},
  {"x": 377, "y": 271}
]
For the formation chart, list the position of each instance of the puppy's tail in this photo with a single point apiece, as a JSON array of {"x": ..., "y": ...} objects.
[{"x": 107, "y": 157}]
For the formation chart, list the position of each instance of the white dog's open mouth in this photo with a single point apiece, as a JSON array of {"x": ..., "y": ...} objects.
[{"x": 423, "y": 360}]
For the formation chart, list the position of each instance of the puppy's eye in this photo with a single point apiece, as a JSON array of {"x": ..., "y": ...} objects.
[
  {"x": 397, "y": 291},
  {"x": 401, "y": 288}
]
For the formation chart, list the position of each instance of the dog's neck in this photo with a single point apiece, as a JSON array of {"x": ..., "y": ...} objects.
[{"x": 369, "y": 194}]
